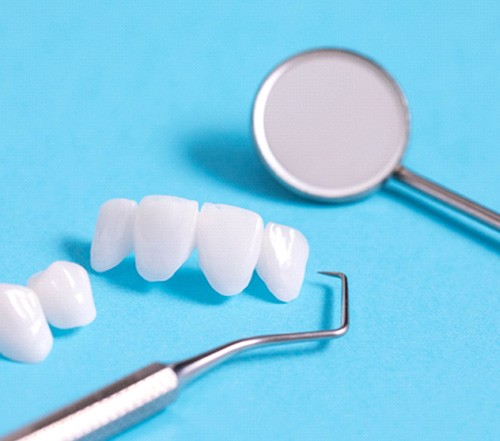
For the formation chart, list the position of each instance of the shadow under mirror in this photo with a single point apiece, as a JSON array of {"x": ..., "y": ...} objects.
[{"x": 231, "y": 158}]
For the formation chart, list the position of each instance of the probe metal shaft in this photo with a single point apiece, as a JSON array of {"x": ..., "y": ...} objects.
[{"x": 115, "y": 408}]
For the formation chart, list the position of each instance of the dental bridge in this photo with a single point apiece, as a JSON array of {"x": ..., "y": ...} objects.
[{"x": 115, "y": 408}]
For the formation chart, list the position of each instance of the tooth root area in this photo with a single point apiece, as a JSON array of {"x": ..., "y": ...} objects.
[
  {"x": 229, "y": 241},
  {"x": 113, "y": 237},
  {"x": 65, "y": 294},
  {"x": 283, "y": 259},
  {"x": 24, "y": 332},
  {"x": 164, "y": 235}
]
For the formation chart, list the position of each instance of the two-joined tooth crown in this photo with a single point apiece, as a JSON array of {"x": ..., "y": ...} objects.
[
  {"x": 231, "y": 242},
  {"x": 65, "y": 294},
  {"x": 60, "y": 295}
]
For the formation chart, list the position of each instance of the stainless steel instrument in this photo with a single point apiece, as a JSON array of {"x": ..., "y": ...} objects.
[
  {"x": 115, "y": 408},
  {"x": 333, "y": 125}
]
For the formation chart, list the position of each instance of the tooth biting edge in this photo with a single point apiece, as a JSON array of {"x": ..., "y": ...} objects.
[
  {"x": 164, "y": 235},
  {"x": 24, "y": 332},
  {"x": 229, "y": 240},
  {"x": 65, "y": 294},
  {"x": 283, "y": 259},
  {"x": 114, "y": 233}
]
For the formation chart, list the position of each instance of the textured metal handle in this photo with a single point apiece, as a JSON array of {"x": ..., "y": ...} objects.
[
  {"x": 107, "y": 411},
  {"x": 115, "y": 408}
]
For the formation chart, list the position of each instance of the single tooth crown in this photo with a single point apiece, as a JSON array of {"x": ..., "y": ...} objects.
[
  {"x": 65, "y": 294},
  {"x": 282, "y": 261},
  {"x": 24, "y": 332},
  {"x": 164, "y": 234},
  {"x": 229, "y": 241},
  {"x": 113, "y": 237}
]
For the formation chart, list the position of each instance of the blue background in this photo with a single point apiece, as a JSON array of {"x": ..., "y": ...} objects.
[{"x": 126, "y": 99}]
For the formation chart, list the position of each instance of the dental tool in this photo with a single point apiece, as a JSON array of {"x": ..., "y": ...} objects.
[
  {"x": 332, "y": 125},
  {"x": 231, "y": 243},
  {"x": 142, "y": 394}
]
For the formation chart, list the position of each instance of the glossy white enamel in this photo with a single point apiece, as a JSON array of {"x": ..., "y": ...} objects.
[
  {"x": 113, "y": 237},
  {"x": 24, "y": 332},
  {"x": 164, "y": 235},
  {"x": 283, "y": 259},
  {"x": 229, "y": 241},
  {"x": 65, "y": 294}
]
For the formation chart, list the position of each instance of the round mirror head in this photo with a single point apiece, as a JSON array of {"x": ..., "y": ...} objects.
[{"x": 330, "y": 124}]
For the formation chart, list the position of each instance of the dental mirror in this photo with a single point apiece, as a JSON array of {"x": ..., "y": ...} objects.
[{"x": 333, "y": 126}]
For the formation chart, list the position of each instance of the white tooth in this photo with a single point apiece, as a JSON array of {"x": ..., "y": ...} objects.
[
  {"x": 164, "y": 235},
  {"x": 282, "y": 261},
  {"x": 113, "y": 237},
  {"x": 65, "y": 294},
  {"x": 24, "y": 333},
  {"x": 229, "y": 240}
]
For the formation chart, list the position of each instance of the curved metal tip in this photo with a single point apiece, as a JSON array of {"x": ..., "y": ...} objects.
[
  {"x": 192, "y": 367},
  {"x": 332, "y": 273},
  {"x": 345, "y": 298}
]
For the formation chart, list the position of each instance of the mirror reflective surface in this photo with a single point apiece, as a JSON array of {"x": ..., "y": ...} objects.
[{"x": 330, "y": 124}]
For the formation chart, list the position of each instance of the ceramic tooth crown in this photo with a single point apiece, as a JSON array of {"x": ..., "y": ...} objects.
[
  {"x": 113, "y": 237},
  {"x": 229, "y": 241},
  {"x": 65, "y": 294},
  {"x": 282, "y": 261},
  {"x": 164, "y": 234},
  {"x": 24, "y": 333}
]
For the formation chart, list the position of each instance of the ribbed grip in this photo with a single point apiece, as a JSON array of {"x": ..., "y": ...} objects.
[{"x": 107, "y": 411}]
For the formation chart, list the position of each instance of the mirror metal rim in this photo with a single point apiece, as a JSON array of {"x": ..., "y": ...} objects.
[{"x": 286, "y": 178}]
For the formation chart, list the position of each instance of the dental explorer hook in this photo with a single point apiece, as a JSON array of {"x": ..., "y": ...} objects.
[{"x": 115, "y": 408}]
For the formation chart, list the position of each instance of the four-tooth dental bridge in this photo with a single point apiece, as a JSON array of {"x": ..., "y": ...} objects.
[{"x": 163, "y": 231}]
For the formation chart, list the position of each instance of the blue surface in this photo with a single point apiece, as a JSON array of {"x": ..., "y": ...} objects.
[{"x": 127, "y": 99}]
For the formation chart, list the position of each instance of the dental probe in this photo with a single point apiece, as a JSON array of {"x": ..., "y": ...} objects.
[{"x": 128, "y": 401}]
